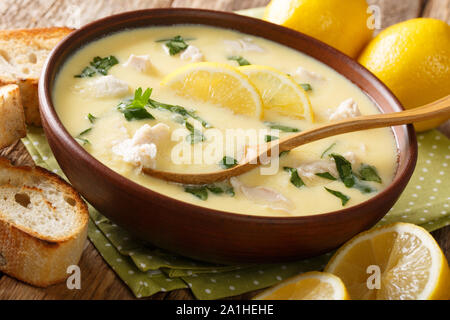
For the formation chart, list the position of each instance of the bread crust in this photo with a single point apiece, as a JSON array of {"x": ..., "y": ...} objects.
[
  {"x": 31, "y": 39},
  {"x": 28, "y": 35},
  {"x": 38, "y": 259},
  {"x": 12, "y": 118}
]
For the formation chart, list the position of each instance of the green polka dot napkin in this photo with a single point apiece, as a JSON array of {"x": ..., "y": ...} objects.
[{"x": 148, "y": 270}]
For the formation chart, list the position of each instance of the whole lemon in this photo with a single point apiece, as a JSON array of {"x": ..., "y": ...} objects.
[
  {"x": 413, "y": 59},
  {"x": 343, "y": 26}
]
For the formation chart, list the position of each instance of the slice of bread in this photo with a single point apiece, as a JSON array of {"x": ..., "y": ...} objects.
[
  {"x": 22, "y": 56},
  {"x": 43, "y": 225},
  {"x": 12, "y": 119}
]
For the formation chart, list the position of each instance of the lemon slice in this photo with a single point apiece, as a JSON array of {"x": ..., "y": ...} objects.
[
  {"x": 411, "y": 265},
  {"x": 280, "y": 92},
  {"x": 307, "y": 286},
  {"x": 217, "y": 83}
]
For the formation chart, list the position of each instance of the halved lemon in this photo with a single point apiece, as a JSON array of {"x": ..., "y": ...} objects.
[
  {"x": 400, "y": 261},
  {"x": 307, "y": 286},
  {"x": 280, "y": 92},
  {"x": 217, "y": 83}
]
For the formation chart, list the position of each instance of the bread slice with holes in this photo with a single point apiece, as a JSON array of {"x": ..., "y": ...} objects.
[
  {"x": 12, "y": 118},
  {"x": 43, "y": 225},
  {"x": 22, "y": 56}
]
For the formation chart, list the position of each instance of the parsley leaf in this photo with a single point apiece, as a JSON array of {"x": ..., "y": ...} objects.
[
  {"x": 98, "y": 65},
  {"x": 344, "y": 168},
  {"x": 195, "y": 136},
  {"x": 87, "y": 72},
  {"x": 175, "y": 45},
  {"x": 84, "y": 132},
  {"x": 369, "y": 173},
  {"x": 135, "y": 108},
  {"x": 295, "y": 178},
  {"x": 91, "y": 118},
  {"x": 228, "y": 162},
  {"x": 269, "y": 138},
  {"x": 364, "y": 188},
  {"x": 347, "y": 176},
  {"x": 280, "y": 127},
  {"x": 340, "y": 195},
  {"x": 240, "y": 60},
  {"x": 326, "y": 175},
  {"x": 327, "y": 149},
  {"x": 282, "y": 153},
  {"x": 306, "y": 86},
  {"x": 184, "y": 114},
  {"x": 179, "y": 110},
  {"x": 81, "y": 140},
  {"x": 199, "y": 192},
  {"x": 220, "y": 189}
]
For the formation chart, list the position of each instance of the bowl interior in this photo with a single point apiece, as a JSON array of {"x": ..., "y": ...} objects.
[{"x": 344, "y": 65}]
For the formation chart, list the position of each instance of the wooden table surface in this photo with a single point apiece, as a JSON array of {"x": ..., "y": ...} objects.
[{"x": 98, "y": 280}]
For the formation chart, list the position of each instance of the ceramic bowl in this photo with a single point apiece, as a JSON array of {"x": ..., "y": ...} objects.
[{"x": 199, "y": 232}]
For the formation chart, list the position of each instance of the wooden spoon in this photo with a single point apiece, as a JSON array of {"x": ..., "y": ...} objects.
[{"x": 437, "y": 109}]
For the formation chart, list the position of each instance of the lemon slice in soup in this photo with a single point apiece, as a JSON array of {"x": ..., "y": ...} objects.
[
  {"x": 219, "y": 84},
  {"x": 280, "y": 92}
]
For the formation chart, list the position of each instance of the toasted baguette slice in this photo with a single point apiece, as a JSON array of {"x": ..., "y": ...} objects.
[
  {"x": 22, "y": 56},
  {"x": 43, "y": 225},
  {"x": 12, "y": 119}
]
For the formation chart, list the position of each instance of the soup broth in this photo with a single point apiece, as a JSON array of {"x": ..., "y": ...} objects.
[{"x": 319, "y": 177}]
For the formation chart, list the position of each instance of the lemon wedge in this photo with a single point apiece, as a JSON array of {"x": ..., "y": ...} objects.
[
  {"x": 280, "y": 92},
  {"x": 307, "y": 286},
  {"x": 217, "y": 83},
  {"x": 409, "y": 261}
]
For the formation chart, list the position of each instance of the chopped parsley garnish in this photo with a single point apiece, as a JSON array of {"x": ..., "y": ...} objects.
[
  {"x": 91, "y": 118},
  {"x": 327, "y": 150},
  {"x": 369, "y": 173},
  {"x": 295, "y": 178},
  {"x": 195, "y": 136},
  {"x": 280, "y": 127},
  {"x": 84, "y": 132},
  {"x": 344, "y": 168},
  {"x": 228, "y": 162},
  {"x": 364, "y": 188},
  {"x": 220, "y": 189},
  {"x": 80, "y": 138},
  {"x": 283, "y": 153},
  {"x": 269, "y": 138},
  {"x": 347, "y": 175},
  {"x": 98, "y": 66},
  {"x": 179, "y": 110},
  {"x": 82, "y": 141},
  {"x": 240, "y": 60},
  {"x": 306, "y": 86},
  {"x": 175, "y": 45},
  {"x": 201, "y": 192},
  {"x": 135, "y": 109},
  {"x": 184, "y": 114},
  {"x": 340, "y": 195},
  {"x": 326, "y": 175}
]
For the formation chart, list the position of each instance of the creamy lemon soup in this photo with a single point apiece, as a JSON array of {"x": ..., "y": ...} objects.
[{"x": 199, "y": 99}]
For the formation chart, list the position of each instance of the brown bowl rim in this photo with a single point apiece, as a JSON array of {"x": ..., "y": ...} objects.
[{"x": 48, "y": 113}]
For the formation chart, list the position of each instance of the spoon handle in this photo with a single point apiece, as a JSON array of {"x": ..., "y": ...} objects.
[{"x": 436, "y": 109}]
